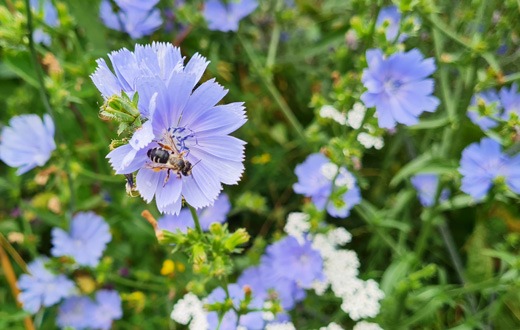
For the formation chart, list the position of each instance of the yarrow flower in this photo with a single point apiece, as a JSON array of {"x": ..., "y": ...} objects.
[
  {"x": 226, "y": 16},
  {"x": 46, "y": 9},
  {"x": 190, "y": 309},
  {"x": 364, "y": 325},
  {"x": 214, "y": 213},
  {"x": 183, "y": 150},
  {"x": 484, "y": 162},
  {"x": 137, "y": 18},
  {"x": 41, "y": 287},
  {"x": 398, "y": 86},
  {"x": 501, "y": 105},
  {"x": 426, "y": 185},
  {"x": 15, "y": 149},
  {"x": 86, "y": 240},
  {"x": 318, "y": 178}
]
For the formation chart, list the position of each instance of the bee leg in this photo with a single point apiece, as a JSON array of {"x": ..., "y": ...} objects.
[{"x": 167, "y": 177}]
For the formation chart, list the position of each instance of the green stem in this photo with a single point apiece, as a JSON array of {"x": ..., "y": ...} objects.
[
  {"x": 456, "y": 261},
  {"x": 195, "y": 217},
  {"x": 275, "y": 39},
  {"x": 266, "y": 80}
]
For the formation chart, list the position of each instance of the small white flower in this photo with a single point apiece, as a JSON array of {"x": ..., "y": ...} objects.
[
  {"x": 297, "y": 225},
  {"x": 369, "y": 141},
  {"x": 332, "y": 326},
  {"x": 345, "y": 179},
  {"x": 364, "y": 325},
  {"x": 190, "y": 308},
  {"x": 320, "y": 287},
  {"x": 339, "y": 236},
  {"x": 328, "y": 111},
  {"x": 280, "y": 326},
  {"x": 356, "y": 115},
  {"x": 363, "y": 299},
  {"x": 267, "y": 315},
  {"x": 329, "y": 170}
]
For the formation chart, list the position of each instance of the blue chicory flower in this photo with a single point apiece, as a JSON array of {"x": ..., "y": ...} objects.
[
  {"x": 85, "y": 242},
  {"x": 510, "y": 99},
  {"x": 318, "y": 178},
  {"x": 187, "y": 125},
  {"x": 226, "y": 16},
  {"x": 15, "y": 149},
  {"x": 391, "y": 15},
  {"x": 398, "y": 86},
  {"x": 251, "y": 321},
  {"x": 41, "y": 287},
  {"x": 147, "y": 65},
  {"x": 137, "y": 18},
  {"x": 426, "y": 186},
  {"x": 482, "y": 163},
  {"x": 214, "y": 213},
  {"x": 265, "y": 283},
  {"x": 490, "y": 98},
  {"x": 108, "y": 308},
  {"x": 46, "y": 9},
  {"x": 295, "y": 261},
  {"x": 76, "y": 312},
  {"x": 81, "y": 312}
]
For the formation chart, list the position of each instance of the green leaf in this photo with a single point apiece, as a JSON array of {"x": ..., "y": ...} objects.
[{"x": 21, "y": 65}]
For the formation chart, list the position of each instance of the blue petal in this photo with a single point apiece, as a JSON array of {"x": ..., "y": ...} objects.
[{"x": 147, "y": 182}]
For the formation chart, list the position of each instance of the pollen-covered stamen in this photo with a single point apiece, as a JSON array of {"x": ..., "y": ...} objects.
[{"x": 180, "y": 136}]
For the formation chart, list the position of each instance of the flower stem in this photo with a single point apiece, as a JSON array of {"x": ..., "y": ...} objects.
[
  {"x": 46, "y": 103},
  {"x": 195, "y": 217},
  {"x": 266, "y": 80}
]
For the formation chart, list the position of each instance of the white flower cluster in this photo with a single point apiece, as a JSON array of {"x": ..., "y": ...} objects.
[
  {"x": 332, "y": 326},
  {"x": 356, "y": 115},
  {"x": 190, "y": 308},
  {"x": 363, "y": 325},
  {"x": 280, "y": 326},
  {"x": 370, "y": 141},
  {"x": 341, "y": 268},
  {"x": 297, "y": 225},
  {"x": 328, "y": 111}
]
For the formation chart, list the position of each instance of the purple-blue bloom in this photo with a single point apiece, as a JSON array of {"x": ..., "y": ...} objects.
[
  {"x": 251, "y": 321},
  {"x": 426, "y": 186},
  {"x": 214, "y": 213},
  {"x": 41, "y": 287},
  {"x": 148, "y": 64},
  {"x": 296, "y": 262},
  {"x": 510, "y": 99},
  {"x": 108, "y": 308},
  {"x": 187, "y": 125},
  {"x": 318, "y": 178},
  {"x": 85, "y": 242},
  {"x": 76, "y": 312},
  {"x": 398, "y": 86},
  {"x": 391, "y": 15},
  {"x": 481, "y": 163},
  {"x": 137, "y": 18},
  {"x": 226, "y": 16},
  {"x": 267, "y": 284},
  {"x": 27, "y": 142},
  {"x": 46, "y": 9},
  {"x": 489, "y": 97}
]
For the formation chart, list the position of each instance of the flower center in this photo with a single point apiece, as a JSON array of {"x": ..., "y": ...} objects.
[
  {"x": 181, "y": 135},
  {"x": 392, "y": 85}
]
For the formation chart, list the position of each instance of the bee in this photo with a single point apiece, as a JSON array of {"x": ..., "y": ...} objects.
[{"x": 165, "y": 158}]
